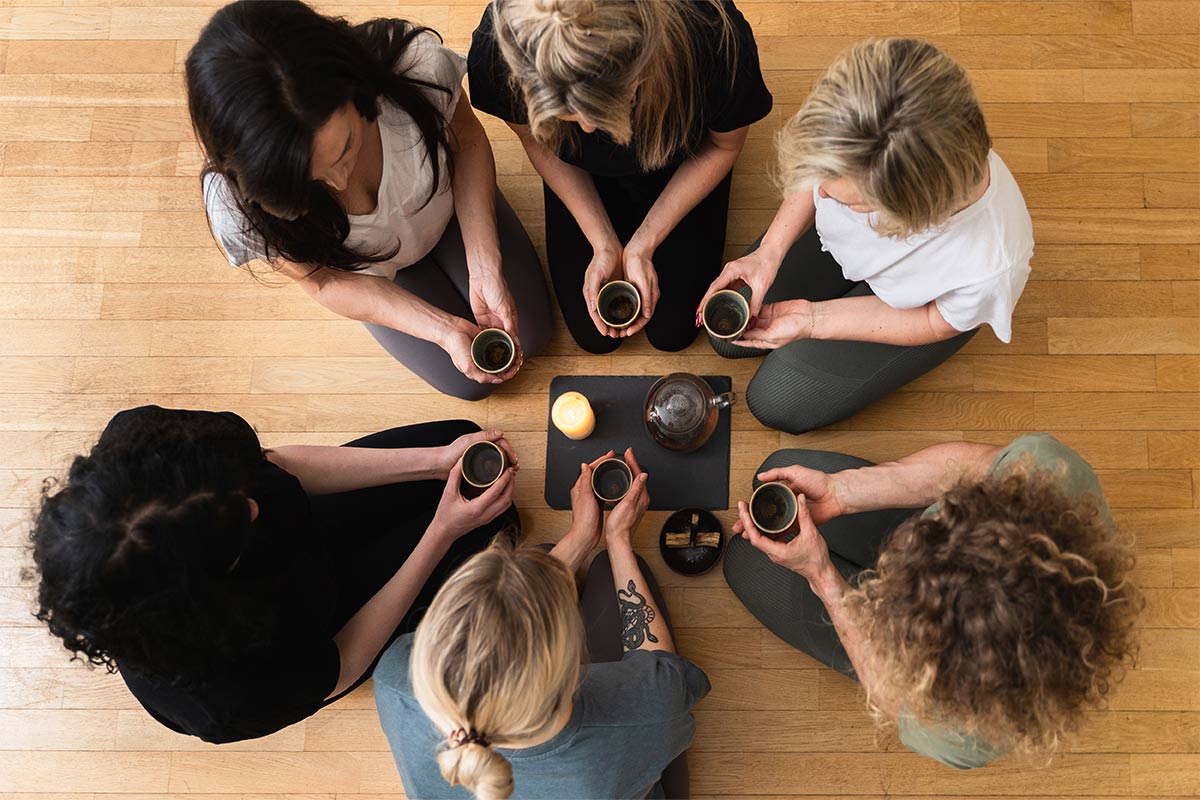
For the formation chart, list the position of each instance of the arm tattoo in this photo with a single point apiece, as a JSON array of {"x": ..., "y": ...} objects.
[{"x": 636, "y": 616}]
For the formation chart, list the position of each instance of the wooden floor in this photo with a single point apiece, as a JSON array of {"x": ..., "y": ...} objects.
[{"x": 114, "y": 295}]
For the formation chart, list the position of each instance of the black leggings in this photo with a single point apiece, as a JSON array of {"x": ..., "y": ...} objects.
[
  {"x": 687, "y": 261},
  {"x": 378, "y": 528}
]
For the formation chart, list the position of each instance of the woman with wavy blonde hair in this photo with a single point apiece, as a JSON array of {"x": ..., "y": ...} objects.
[
  {"x": 901, "y": 234},
  {"x": 633, "y": 112},
  {"x": 989, "y": 623},
  {"x": 494, "y": 693}
]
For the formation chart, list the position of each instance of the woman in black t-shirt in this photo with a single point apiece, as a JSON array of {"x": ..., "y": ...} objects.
[
  {"x": 239, "y": 590},
  {"x": 634, "y": 113}
]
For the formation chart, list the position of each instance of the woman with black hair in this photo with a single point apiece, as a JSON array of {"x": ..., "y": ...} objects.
[
  {"x": 343, "y": 157},
  {"x": 239, "y": 590}
]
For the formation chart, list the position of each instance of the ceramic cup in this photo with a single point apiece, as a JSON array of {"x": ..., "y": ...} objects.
[
  {"x": 619, "y": 304},
  {"x": 482, "y": 465},
  {"x": 773, "y": 508},
  {"x": 493, "y": 350},
  {"x": 726, "y": 314},
  {"x": 611, "y": 480}
]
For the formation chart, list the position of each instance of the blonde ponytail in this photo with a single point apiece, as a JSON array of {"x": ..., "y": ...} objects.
[
  {"x": 479, "y": 769},
  {"x": 496, "y": 661}
]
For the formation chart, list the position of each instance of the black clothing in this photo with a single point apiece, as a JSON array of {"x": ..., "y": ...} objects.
[
  {"x": 327, "y": 556},
  {"x": 691, "y": 256},
  {"x": 733, "y": 94}
]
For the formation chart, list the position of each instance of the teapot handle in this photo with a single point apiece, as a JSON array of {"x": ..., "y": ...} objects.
[{"x": 724, "y": 400}]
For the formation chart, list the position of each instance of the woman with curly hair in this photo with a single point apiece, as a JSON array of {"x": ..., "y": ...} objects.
[
  {"x": 347, "y": 159},
  {"x": 987, "y": 624},
  {"x": 633, "y": 112},
  {"x": 238, "y": 590}
]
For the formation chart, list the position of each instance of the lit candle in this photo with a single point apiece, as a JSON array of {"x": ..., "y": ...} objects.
[{"x": 572, "y": 414}]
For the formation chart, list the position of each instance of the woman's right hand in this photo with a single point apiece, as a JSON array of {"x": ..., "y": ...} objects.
[
  {"x": 457, "y": 344},
  {"x": 605, "y": 264},
  {"x": 754, "y": 269},
  {"x": 625, "y": 517},
  {"x": 456, "y": 515},
  {"x": 820, "y": 489}
]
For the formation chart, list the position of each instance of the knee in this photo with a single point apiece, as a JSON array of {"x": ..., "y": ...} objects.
[
  {"x": 461, "y": 427},
  {"x": 672, "y": 340},
  {"x": 821, "y": 460},
  {"x": 794, "y": 401},
  {"x": 598, "y": 345},
  {"x": 470, "y": 390}
]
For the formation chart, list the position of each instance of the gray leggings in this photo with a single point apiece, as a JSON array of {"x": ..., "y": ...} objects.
[
  {"x": 809, "y": 384},
  {"x": 441, "y": 278},
  {"x": 780, "y": 598}
]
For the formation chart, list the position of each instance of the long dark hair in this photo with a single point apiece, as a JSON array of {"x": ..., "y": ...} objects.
[
  {"x": 261, "y": 79},
  {"x": 136, "y": 551}
]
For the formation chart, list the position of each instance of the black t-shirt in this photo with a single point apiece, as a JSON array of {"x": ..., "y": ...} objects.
[
  {"x": 734, "y": 94},
  {"x": 286, "y": 677}
]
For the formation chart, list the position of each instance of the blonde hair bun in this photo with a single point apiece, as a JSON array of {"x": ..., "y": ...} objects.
[
  {"x": 568, "y": 12},
  {"x": 478, "y": 768}
]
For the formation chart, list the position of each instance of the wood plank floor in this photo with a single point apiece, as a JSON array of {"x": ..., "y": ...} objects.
[{"x": 113, "y": 295}]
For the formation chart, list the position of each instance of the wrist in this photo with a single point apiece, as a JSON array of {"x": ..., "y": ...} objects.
[
  {"x": 484, "y": 265},
  {"x": 643, "y": 243},
  {"x": 827, "y": 583},
  {"x": 619, "y": 540},
  {"x": 806, "y": 310},
  {"x": 606, "y": 242},
  {"x": 439, "y": 535}
]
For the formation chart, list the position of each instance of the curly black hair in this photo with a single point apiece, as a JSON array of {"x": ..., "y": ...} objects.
[{"x": 134, "y": 550}]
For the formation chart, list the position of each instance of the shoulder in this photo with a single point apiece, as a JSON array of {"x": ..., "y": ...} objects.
[
  {"x": 945, "y": 745},
  {"x": 645, "y": 686},
  {"x": 228, "y": 224},
  {"x": 1044, "y": 452},
  {"x": 1008, "y": 216},
  {"x": 391, "y": 675}
]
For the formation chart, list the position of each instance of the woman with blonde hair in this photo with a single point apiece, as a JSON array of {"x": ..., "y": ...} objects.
[
  {"x": 633, "y": 112},
  {"x": 989, "y": 623},
  {"x": 901, "y": 233},
  {"x": 494, "y": 693}
]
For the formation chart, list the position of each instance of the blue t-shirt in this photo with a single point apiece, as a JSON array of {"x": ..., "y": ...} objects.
[{"x": 631, "y": 719}]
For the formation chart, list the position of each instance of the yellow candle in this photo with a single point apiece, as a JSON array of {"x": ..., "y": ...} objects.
[{"x": 572, "y": 414}]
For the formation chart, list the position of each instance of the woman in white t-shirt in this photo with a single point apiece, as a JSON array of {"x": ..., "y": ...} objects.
[
  {"x": 921, "y": 236},
  {"x": 343, "y": 157}
]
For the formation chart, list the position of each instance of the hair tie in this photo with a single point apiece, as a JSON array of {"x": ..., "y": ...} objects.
[{"x": 462, "y": 736}]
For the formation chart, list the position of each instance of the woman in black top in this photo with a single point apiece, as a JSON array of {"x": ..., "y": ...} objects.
[
  {"x": 633, "y": 112},
  {"x": 239, "y": 590}
]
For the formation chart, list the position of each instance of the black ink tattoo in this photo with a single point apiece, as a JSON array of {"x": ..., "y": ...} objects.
[{"x": 636, "y": 617}]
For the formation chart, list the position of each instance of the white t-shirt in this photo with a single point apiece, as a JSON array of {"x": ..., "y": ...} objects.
[
  {"x": 402, "y": 212},
  {"x": 974, "y": 267}
]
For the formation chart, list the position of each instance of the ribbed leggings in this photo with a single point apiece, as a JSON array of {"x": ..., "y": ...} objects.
[{"x": 811, "y": 383}]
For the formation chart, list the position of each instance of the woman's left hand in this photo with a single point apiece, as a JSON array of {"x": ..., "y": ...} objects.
[
  {"x": 493, "y": 306},
  {"x": 806, "y": 554},
  {"x": 451, "y": 453},
  {"x": 778, "y": 324},
  {"x": 586, "y": 517},
  {"x": 638, "y": 267}
]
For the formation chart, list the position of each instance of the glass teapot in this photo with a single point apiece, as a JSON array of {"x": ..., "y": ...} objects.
[{"x": 682, "y": 411}]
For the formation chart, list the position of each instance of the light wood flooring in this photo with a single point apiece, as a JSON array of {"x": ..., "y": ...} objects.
[{"x": 114, "y": 295}]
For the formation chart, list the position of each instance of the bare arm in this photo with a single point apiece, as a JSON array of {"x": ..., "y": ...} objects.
[
  {"x": 374, "y": 299},
  {"x": 364, "y": 635},
  {"x": 643, "y": 625},
  {"x": 759, "y": 268},
  {"x": 852, "y": 319},
  {"x": 326, "y": 470},
  {"x": 690, "y": 184}
]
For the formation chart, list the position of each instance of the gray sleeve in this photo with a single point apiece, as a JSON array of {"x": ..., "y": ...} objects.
[
  {"x": 669, "y": 681},
  {"x": 229, "y": 227}
]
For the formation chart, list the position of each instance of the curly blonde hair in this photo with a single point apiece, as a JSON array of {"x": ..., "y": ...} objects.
[{"x": 1007, "y": 614}]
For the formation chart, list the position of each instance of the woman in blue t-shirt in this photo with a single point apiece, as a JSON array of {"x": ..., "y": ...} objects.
[{"x": 494, "y": 692}]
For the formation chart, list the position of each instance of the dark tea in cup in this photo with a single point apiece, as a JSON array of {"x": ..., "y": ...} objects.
[
  {"x": 493, "y": 350},
  {"x": 619, "y": 304},
  {"x": 482, "y": 465},
  {"x": 773, "y": 508},
  {"x": 726, "y": 314},
  {"x": 611, "y": 480}
]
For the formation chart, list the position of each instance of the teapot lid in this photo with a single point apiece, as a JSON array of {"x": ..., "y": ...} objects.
[{"x": 678, "y": 404}]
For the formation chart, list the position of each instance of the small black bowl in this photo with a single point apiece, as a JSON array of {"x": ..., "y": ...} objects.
[{"x": 691, "y": 560}]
